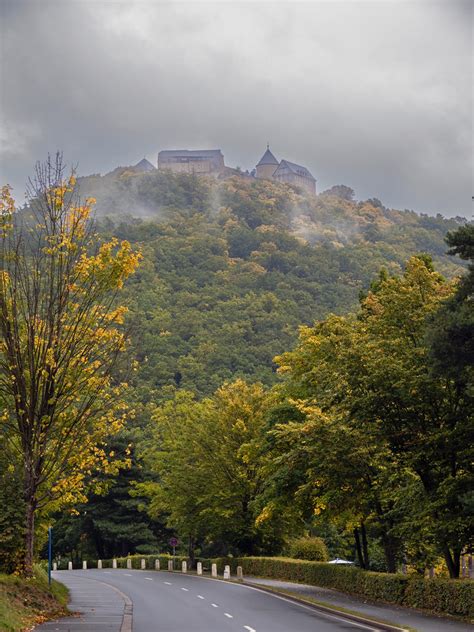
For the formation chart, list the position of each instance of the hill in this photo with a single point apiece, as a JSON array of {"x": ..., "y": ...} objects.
[{"x": 232, "y": 268}]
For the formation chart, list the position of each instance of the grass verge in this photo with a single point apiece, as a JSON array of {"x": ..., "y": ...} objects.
[{"x": 28, "y": 602}]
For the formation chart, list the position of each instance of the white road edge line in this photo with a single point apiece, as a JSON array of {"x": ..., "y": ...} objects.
[
  {"x": 229, "y": 616},
  {"x": 294, "y": 603},
  {"x": 324, "y": 614}
]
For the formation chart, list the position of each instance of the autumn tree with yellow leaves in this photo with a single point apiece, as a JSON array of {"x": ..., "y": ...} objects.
[{"x": 60, "y": 336}]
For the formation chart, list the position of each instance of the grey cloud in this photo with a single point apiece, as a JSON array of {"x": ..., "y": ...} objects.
[{"x": 376, "y": 95}]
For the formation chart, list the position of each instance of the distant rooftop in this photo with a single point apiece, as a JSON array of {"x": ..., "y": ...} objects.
[
  {"x": 144, "y": 165},
  {"x": 268, "y": 158},
  {"x": 296, "y": 169},
  {"x": 174, "y": 153}
]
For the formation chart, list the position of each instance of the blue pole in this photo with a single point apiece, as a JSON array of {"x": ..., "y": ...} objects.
[{"x": 50, "y": 548}]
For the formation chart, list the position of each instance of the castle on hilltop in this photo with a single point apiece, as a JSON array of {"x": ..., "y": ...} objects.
[
  {"x": 285, "y": 171},
  {"x": 210, "y": 162}
]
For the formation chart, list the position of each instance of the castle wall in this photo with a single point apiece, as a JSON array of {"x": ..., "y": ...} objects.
[
  {"x": 194, "y": 166},
  {"x": 203, "y": 163},
  {"x": 266, "y": 171},
  {"x": 292, "y": 178}
]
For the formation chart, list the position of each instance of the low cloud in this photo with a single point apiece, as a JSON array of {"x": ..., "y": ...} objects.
[{"x": 375, "y": 95}]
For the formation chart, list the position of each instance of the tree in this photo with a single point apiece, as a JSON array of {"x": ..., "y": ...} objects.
[
  {"x": 373, "y": 369},
  {"x": 113, "y": 522},
  {"x": 332, "y": 467},
  {"x": 451, "y": 336},
  {"x": 342, "y": 191},
  {"x": 206, "y": 455},
  {"x": 60, "y": 336}
]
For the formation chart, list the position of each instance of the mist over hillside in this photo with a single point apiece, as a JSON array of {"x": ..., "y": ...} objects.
[
  {"x": 333, "y": 216},
  {"x": 233, "y": 267}
]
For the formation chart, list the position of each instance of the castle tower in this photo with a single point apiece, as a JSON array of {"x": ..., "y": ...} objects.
[{"x": 268, "y": 165}]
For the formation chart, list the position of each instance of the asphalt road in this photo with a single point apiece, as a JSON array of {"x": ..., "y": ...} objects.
[{"x": 173, "y": 602}]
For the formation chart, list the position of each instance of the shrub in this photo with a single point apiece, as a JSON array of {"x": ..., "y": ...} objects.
[
  {"x": 455, "y": 596},
  {"x": 447, "y": 596},
  {"x": 311, "y": 548}
]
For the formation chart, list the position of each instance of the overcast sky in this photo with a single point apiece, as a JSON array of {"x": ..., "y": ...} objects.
[{"x": 376, "y": 95}]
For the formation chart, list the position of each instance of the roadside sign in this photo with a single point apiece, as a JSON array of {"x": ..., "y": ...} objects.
[{"x": 174, "y": 542}]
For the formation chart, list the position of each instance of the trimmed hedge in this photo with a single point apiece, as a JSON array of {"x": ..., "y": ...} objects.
[
  {"x": 444, "y": 596},
  {"x": 136, "y": 562}
]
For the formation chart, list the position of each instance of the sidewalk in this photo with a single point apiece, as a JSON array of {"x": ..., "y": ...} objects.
[
  {"x": 99, "y": 606},
  {"x": 403, "y": 617}
]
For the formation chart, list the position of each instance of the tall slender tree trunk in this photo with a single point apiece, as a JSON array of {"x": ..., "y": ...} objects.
[
  {"x": 360, "y": 557},
  {"x": 30, "y": 488},
  {"x": 365, "y": 548},
  {"x": 390, "y": 544},
  {"x": 29, "y": 536},
  {"x": 390, "y": 548},
  {"x": 453, "y": 561},
  {"x": 191, "y": 550}
]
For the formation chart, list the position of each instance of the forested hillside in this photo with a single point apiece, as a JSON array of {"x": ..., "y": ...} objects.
[
  {"x": 232, "y": 268},
  {"x": 261, "y": 323}
]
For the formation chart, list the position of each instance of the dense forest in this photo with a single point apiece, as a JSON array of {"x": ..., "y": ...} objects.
[
  {"x": 292, "y": 368},
  {"x": 231, "y": 269}
]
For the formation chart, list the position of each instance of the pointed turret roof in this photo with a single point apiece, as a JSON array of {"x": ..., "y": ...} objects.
[
  {"x": 144, "y": 165},
  {"x": 268, "y": 159}
]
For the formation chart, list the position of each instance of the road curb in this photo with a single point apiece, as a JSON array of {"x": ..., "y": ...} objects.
[
  {"x": 386, "y": 627},
  {"x": 127, "y": 619}
]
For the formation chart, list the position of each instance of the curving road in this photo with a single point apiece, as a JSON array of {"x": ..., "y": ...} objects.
[{"x": 173, "y": 602}]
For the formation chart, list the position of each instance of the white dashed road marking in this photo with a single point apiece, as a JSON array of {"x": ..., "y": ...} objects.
[
  {"x": 229, "y": 616},
  {"x": 214, "y": 605},
  {"x": 247, "y": 627},
  {"x": 201, "y": 597},
  {"x": 128, "y": 574},
  {"x": 185, "y": 589},
  {"x": 149, "y": 579},
  {"x": 168, "y": 583}
]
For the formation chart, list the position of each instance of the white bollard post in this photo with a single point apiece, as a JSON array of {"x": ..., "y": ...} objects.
[
  {"x": 69, "y": 566},
  {"x": 143, "y": 564},
  {"x": 84, "y": 565},
  {"x": 99, "y": 564},
  {"x": 184, "y": 567},
  {"x": 114, "y": 563},
  {"x": 226, "y": 571},
  {"x": 240, "y": 573},
  {"x": 55, "y": 566},
  {"x": 170, "y": 565},
  {"x": 214, "y": 570},
  {"x": 129, "y": 563},
  {"x": 199, "y": 568},
  {"x": 157, "y": 565}
]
